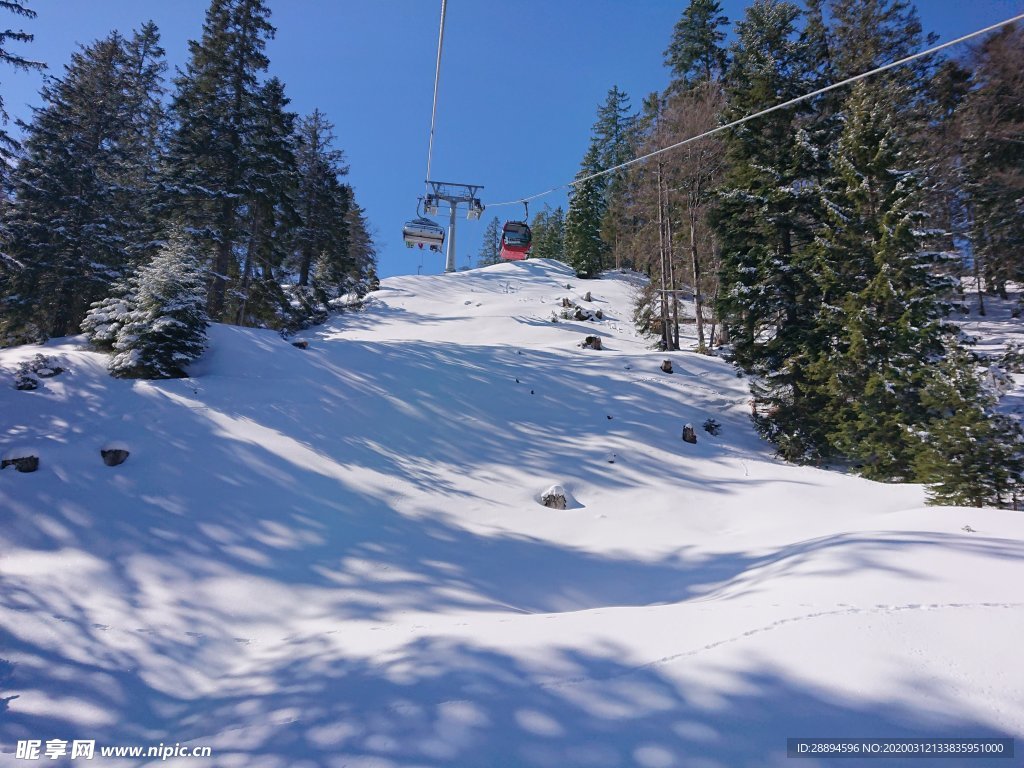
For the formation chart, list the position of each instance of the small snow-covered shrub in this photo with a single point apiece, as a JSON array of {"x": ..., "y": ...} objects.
[
  {"x": 42, "y": 366},
  {"x": 1012, "y": 359},
  {"x": 155, "y": 324},
  {"x": 106, "y": 317}
]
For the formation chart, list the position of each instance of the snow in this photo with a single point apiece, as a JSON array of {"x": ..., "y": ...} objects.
[{"x": 336, "y": 556}]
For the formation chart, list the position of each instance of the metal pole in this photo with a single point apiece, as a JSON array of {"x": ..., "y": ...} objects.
[{"x": 450, "y": 260}]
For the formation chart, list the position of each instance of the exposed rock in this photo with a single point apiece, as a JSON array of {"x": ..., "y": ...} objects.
[
  {"x": 300, "y": 344},
  {"x": 666, "y": 366},
  {"x": 554, "y": 497},
  {"x": 48, "y": 372},
  {"x": 114, "y": 456},
  {"x": 21, "y": 463},
  {"x": 689, "y": 436},
  {"x": 592, "y": 342},
  {"x": 25, "y": 383}
]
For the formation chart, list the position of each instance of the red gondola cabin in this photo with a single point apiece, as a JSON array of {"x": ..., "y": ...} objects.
[{"x": 515, "y": 241}]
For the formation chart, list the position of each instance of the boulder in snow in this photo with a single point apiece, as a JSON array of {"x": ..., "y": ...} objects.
[
  {"x": 689, "y": 436},
  {"x": 666, "y": 366},
  {"x": 21, "y": 463},
  {"x": 113, "y": 456},
  {"x": 554, "y": 497},
  {"x": 25, "y": 383},
  {"x": 592, "y": 342}
]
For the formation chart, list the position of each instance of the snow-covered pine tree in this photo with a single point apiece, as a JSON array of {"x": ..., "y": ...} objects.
[
  {"x": 334, "y": 269},
  {"x": 584, "y": 248},
  {"x": 869, "y": 33},
  {"x": 83, "y": 212},
  {"x": 211, "y": 150},
  {"x": 612, "y": 142},
  {"x": 615, "y": 137},
  {"x": 320, "y": 197},
  {"x": 490, "y": 248},
  {"x": 991, "y": 121},
  {"x": 695, "y": 53},
  {"x": 165, "y": 326},
  {"x": 972, "y": 456},
  {"x": 548, "y": 228},
  {"x": 766, "y": 214},
  {"x": 362, "y": 250},
  {"x": 106, "y": 317},
  {"x": 268, "y": 214},
  {"x": 880, "y": 325},
  {"x": 8, "y": 145}
]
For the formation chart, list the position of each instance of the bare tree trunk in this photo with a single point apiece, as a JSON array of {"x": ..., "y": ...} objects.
[
  {"x": 665, "y": 339},
  {"x": 674, "y": 334},
  {"x": 247, "y": 271},
  {"x": 698, "y": 299},
  {"x": 977, "y": 282}
]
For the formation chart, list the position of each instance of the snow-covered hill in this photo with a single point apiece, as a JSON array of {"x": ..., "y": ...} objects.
[{"x": 336, "y": 556}]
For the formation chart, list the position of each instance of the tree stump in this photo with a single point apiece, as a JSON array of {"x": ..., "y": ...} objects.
[
  {"x": 689, "y": 436},
  {"x": 113, "y": 456},
  {"x": 586, "y": 296},
  {"x": 567, "y": 302},
  {"x": 21, "y": 463},
  {"x": 666, "y": 366}
]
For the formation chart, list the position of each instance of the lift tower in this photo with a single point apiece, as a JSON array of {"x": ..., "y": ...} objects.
[{"x": 453, "y": 194}]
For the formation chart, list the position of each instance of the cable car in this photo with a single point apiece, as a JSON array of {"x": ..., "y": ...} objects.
[
  {"x": 516, "y": 238},
  {"x": 515, "y": 241},
  {"x": 423, "y": 232}
]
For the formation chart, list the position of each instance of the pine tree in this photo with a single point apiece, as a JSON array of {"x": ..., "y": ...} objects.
[
  {"x": 614, "y": 136},
  {"x": 268, "y": 214},
  {"x": 695, "y": 53},
  {"x": 765, "y": 219},
  {"x": 8, "y": 145},
  {"x": 104, "y": 320},
  {"x": 164, "y": 328},
  {"x": 584, "y": 248},
  {"x": 548, "y": 228},
  {"x": 991, "y": 120},
  {"x": 84, "y": 207},
  {"x": 362, "y": 251},
  {"x": 320, "y": 194},
  {"x": 210, "y": 154},
  {"x": 334, "y": 271},
  {"x": 869, "y": 33},
  {"x": 587, "y": 222},
  {"x": 490, "y": 248},
  {"x": 881, "y": 317},
  {"x": 972, "y": 456}
]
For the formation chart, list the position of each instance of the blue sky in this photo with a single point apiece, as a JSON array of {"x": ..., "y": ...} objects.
[{"x": 520, "y": 83}]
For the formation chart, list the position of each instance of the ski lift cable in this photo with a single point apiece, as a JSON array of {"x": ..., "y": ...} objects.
[
  {"x": 763, "y": 112},
  {"x": 437, "y": 80}
]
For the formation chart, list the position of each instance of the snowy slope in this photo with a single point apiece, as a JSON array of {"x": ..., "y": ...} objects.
[{"x": 336, "y": 557}]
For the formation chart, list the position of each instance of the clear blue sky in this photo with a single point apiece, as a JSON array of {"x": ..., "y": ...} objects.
[{"x": 520, "y": 82}]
